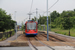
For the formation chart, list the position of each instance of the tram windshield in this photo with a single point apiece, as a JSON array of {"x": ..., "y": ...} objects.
[{"x": 31, "y": 26}]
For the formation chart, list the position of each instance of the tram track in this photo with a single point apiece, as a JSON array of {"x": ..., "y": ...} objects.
[
  {"x": 49, "y": 38},
  {"x": 44, "y": 44},
  {"x": 37, "y": 38},
  {"x": 52, "y": 38},
  {"x": 30, "y": 44},
  {"x": 41, "y": 40}
]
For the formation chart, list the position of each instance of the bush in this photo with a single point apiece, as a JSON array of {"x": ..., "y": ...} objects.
[{"x": 53, "y": 26}]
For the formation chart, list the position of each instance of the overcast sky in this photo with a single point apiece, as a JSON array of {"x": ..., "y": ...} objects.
[{"x": 22, "y": 7}]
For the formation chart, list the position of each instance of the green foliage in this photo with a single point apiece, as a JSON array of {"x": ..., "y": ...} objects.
[
  {"x": 42, "y": 20},
  {"x": 64, "y": 32},
  {"x": 34, "y": 18},
  {"x": 54, "y": 15},
  {"x": 64, "y": 20},
  {"x": 67, "y": 24},
  {"x": 22, "y": 28},
  {"x": 72, "y": 19},
  {"x": 5, "y": 21},
  {"x": 58, "y": 21},
  {"x": 53, "y": 26},
  {"x": 39, "y": 26}
]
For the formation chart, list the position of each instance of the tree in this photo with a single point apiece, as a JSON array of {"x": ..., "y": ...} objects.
[
  {"x": 58, "y": 22},
  {"x": 33, "y": 19},
  {"x": 74, "y": 9},
  {"x": 54, "y": 15},
  {"x": 67, "y": 23},
  {"x": 72, "y": 19},
  {"x": 22, "y": 28},
  {"x": 5, "y": 21},
  {"x": 42, "y": 20}
]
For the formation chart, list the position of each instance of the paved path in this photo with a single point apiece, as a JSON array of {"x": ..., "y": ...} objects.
[
  {"x": 15, "y": 48},
  {"x": 5, "y": 42},
  {"x": 56, "y": 48}
]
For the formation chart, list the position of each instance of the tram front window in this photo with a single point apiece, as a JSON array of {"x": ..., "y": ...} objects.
[{"x": 31, "y": 26}]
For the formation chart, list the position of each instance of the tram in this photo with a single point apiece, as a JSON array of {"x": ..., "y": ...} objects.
[{"x": 31, "y": 28}]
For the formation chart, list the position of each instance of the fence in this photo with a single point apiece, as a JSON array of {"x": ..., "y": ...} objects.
[{"x": 6, "y": 34}]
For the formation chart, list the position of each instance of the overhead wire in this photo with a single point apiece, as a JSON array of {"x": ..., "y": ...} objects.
[
  {"x": 30, "y": 10},
  {"x": 51, "y": 6},
  {"x": 31, "y": 6}
]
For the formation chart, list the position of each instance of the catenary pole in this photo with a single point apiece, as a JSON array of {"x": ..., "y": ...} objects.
[
  {"x": 50, "y": 22},
  {"x": 29, "y": 15},
  {"x": 47, "y": 22},
  {"x": 36, "y": 15},
  {"x": 16, "y": 25}
]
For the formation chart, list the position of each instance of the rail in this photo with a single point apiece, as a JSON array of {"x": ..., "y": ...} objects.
[{"x": 32, "y": 44}]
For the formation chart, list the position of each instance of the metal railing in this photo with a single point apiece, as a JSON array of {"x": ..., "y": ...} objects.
[{"x": 5, "y": 35}]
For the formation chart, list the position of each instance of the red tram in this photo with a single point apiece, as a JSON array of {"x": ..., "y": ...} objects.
[{"x": 31, "y": 27}]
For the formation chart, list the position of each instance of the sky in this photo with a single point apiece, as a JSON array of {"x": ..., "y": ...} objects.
[{"x": 22, "y": 7}]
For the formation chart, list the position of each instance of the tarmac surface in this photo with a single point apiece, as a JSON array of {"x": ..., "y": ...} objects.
[
  {"x": 15, "y": 48},
  {"x": 39, "y": 48},
  {"x": 56, "y": 48}
]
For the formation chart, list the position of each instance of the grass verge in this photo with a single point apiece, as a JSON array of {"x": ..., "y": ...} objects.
[{"x": 64, "y": 32}]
